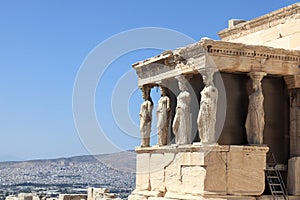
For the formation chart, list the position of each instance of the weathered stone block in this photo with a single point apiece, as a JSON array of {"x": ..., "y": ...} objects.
[
  {"x": 240, "y": 157},
  {"x": 172, "y": 173},
  {"x": 147, "y": 193},
  {"x": 193, "y": 179},
  {"x": 245, "y": 170},
  {"x": 136, "y": 197},
  {"x": 293, "y": 184},
  {"x": 169, "y": 171},
  {"x": 156, "y": 198},
  {"x": 157, "y": 174},
  {"x": 170, "y": 195},
  {"x": 193, "y": 158},
  {"x": 215, "y": 180},
  {"x": 245, "y": 182},
  {"x": 143, "y": 171}
]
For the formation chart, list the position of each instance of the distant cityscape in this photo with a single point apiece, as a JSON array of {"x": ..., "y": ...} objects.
[{"x": 49, "y": 178}]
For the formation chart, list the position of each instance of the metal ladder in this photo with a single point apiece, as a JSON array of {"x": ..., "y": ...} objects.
[{"x": 274, "y": 179}]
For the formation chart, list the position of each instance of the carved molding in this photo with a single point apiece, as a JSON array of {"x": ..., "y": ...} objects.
[
  {"x": 253, "y": 53},
  {"x": 272, "y": 19}
]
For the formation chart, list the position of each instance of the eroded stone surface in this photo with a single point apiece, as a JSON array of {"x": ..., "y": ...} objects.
[
  {"x": 245, "y": 170},
  {"x": 216, "y": 177},
  {"x": 170, "y": 195},
  {"x": 143, "y": 171},
  {"x": 136, "y": 197},
  {"x": 157, "y": 173},
  {"x": 293, "y": 185},
  {"x": 193, "y": 179},
  {"x": 245, "y": 158},
  {"x": 172, "y": 173},
  {"x": 147, "y": 193},
  {"x": 234, "y": 170},
  {"x": 245, "y": 182}
]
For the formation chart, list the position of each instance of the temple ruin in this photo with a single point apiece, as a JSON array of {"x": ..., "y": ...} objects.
[{"x": 229, "y": 115}]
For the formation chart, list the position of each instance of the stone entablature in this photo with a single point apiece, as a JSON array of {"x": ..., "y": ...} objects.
[
  {"x": 193, "y": 171},
  {"x": 225, "y": 56},
  {"x": 270, "y": 20}
]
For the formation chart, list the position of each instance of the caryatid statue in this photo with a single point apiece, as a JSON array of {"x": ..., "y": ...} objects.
[
  {"x": 163, "y": 116},
  {"x": 146, "y": 117},
  {"x": 182, "y": 122},
  {"x": 255, "y": 121},
  {"x": 206, "y": 120}
]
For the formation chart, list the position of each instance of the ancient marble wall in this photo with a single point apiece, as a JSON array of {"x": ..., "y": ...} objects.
[{"x": 191, "y": 171}]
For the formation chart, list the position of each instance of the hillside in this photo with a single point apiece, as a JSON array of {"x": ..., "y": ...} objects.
[{"x": 113, "y": 171}]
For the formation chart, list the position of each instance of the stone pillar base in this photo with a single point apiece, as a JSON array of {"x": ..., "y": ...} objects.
[
  {"x": 293, "y": 185},
  {"x": 200, "y": 172}
]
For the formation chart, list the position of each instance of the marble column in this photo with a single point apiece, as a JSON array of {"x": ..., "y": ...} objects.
[
  {"x": 294, "y": 122},
  {"x": 182, "y": 120},
  {"x": 293, "y": 84},
  {"x": 293, "y": 183},
  {"x": 146, "y": 116},
  {"x": 207, "y": 116},
  {"x": 255, "y": 121}
]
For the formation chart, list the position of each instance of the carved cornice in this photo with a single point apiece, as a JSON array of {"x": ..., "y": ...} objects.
[
  {"x": 272, "y": 19},
  {"x": 225, "y": 56},
  {"x": 257, "y": 51}
]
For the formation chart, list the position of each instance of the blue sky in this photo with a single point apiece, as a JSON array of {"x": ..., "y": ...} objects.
[{"x": 43, "y": 44}]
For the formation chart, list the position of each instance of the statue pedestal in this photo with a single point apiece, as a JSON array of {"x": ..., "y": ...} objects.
[{"x": 196, "y": 171}]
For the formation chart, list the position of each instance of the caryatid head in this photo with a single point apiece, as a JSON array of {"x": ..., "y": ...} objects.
[
  {"x": 207, "y": 76},
  {"x": 256, "y": 79},
  {"x": 146, "y": 92},
  {"x": 182, "y": 83}
]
